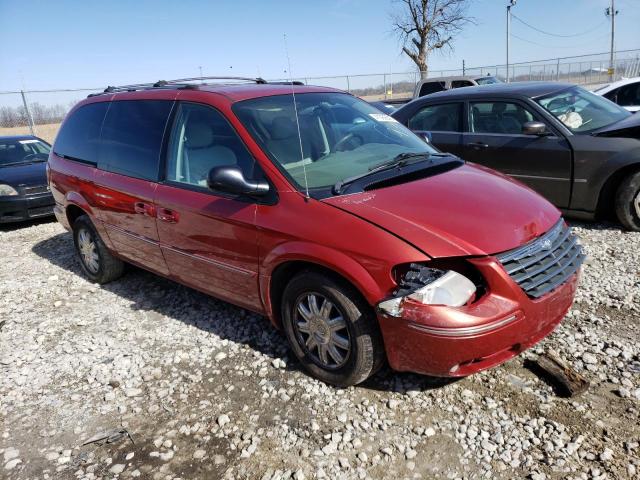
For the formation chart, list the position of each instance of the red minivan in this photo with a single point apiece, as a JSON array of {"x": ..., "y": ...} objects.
[{"x": 305, "y": 204}]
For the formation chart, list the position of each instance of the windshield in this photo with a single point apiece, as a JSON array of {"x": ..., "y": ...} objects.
[
  {"x": 13, "y": 152},
  {"x": 487, "y": 80},
  {"x": 582, "y": 112},
  {"x": 340, "y": 136}
]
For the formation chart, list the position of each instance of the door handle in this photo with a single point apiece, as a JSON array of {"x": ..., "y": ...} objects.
[
  {"x": 477, "y": 145},
  {"x": 144, "y": 209},
  {"x": 167, "y": 215}
]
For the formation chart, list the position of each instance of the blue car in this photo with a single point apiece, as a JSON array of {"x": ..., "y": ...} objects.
[{"x": 24, "y": 191}]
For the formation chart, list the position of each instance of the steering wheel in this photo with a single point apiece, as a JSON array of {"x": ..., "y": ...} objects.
[
  {"x": 349, "y": 140},
  {"x": 33, "y": 156}
]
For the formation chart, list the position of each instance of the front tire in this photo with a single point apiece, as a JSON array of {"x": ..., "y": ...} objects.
[
  {"x": 96, "y": 261},
  {"x": 628, "y": 202},
  {"x": 331, "y": 329}
]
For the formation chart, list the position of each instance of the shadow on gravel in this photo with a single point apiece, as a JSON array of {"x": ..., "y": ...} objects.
[
  {"x": 151, "y": 293},
  {"x": 388, "y": 380},
  {"x": 10, "y": 227},
  {"x": 156, "y": 295}
]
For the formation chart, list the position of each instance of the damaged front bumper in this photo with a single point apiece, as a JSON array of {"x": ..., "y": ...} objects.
[{"x": 458, "y": 341}]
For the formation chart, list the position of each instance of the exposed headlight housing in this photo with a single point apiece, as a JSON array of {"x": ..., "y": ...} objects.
[
  {"x": 430, "y": 286},
  {"x": 7, "y": 191}
]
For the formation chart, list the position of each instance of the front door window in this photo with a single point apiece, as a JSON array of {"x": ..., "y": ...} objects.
[{"x": 202, "y": 139}]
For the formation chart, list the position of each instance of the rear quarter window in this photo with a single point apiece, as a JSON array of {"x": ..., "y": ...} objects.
[
  {"x": 440, "y": 118},
  {"x": 132, "y": 137},
  {"x": 431, "y": 87},
  {"x": 79, "y": 136}
]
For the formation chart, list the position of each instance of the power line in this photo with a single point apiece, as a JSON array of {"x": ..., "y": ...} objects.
[
  {"x": 552, "y": 46},
  {"x": 556, "y": 34}
]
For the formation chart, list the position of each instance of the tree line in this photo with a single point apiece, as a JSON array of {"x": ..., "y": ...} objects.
[{"x": 41, "y": 114}]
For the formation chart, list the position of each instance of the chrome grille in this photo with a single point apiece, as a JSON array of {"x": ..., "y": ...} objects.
[
  {"x": 34, "y": 190},
  {"x": 546, "y": 262}
]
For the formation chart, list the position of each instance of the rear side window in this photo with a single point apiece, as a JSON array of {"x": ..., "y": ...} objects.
[
  {"x": 629, "y": 95},
  {"x": 132, "y": 137},
  {"x": 439, "y": 118},
  {"x": 461, "y": 83},
  {"x": 431, "y": 87},
  {"x": 80, "y": 134}
]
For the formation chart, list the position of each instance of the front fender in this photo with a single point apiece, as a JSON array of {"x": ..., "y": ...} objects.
[
  {"x": 596, "y": 166},
  {"x": 373, "y": 287}
]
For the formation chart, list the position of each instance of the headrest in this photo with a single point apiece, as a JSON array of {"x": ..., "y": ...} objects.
[
  {"x": 198, "y": 135},
  {"x": 282, "y": 127},
  {"x": 498, "y": 107}
]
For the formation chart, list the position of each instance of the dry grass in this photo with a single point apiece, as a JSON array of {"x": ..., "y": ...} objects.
[{"x": 46, "y": 132}]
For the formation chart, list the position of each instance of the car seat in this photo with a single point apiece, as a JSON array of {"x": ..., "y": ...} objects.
[
  {"x": 201, "y": 154},
  {"x": 284, "y": 143},
  {"x": 505, "y": 123}
]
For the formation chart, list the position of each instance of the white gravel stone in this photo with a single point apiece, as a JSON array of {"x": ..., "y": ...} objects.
[
  {"x": 11, "y": 464},
  {"x": 223, "y": 419},
  {"x": 199, "y": 454},
  {"x": 117, "y": 468}
]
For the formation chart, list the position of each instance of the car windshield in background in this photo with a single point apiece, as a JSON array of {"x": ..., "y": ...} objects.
[
  {"x": 340, "y": 136},
  {"x": 487, "y": 80},
  {"x": 15, "y": 152},
  {"x": 581, "y": 111}
]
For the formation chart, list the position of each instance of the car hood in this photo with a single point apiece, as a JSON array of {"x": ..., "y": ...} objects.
[
  {"x": 470, "y": 210},
  {"x": 24, "y": 174},
  {"x": 627, "y": 127}
]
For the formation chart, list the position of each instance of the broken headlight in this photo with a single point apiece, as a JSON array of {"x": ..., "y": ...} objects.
[{"x": 430, "y": 286}]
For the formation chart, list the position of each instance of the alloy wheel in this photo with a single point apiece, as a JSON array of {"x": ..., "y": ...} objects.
[
  {"x": 322, "y": 330},
  {"x": 88, "y": 251},
  {"x": 636, "y": 203}
]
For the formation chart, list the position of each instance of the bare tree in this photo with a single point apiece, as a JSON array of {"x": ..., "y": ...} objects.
[{"x": 427, "y": 25}]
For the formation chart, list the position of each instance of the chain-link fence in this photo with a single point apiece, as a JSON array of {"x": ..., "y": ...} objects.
[{"x": 40, "y": 112}]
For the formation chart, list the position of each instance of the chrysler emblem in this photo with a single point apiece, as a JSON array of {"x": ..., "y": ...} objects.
[{"x": 546, "y": 245}]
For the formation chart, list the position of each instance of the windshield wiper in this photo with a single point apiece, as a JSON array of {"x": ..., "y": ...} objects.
[
  {"x": 17, "y": 163},
  {"x": 398, "y": 161}
]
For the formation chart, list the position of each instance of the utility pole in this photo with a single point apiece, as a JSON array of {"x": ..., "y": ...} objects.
[
  {"x": 512, "y": 3},
  {"x": 200, "y": 68},
  {"x": 463, "y": 69},
  {"x": 28, "y": 113},
  {"x": 612, "y": 12}
]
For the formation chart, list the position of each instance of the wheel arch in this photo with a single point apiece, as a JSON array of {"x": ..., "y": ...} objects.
[
  {"x": 606, "y": 200},
  {"x": 342, "y": 268},
  {"x": 72, "y": 212}
]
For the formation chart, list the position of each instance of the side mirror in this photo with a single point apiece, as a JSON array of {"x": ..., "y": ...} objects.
[
  {"x": 230, "y": 179},
  {"x": 534, "y": 128},
  {"x": 426, "y": 136}
]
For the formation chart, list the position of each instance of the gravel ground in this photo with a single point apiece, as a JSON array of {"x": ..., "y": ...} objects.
[{"x": 208, "y": 390}]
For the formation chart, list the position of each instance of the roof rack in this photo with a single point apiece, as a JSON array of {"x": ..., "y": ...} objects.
[{"x": 185, "y": 83}]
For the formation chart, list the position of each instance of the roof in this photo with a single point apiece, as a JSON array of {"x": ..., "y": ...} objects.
[
  {"x": 246, "y": 91},
  {"x": 526, "y": 89},
  {"x": 232, "y": 91},
  {"x": 614, "y": 85},
  {"x": 455, "y": 77}
]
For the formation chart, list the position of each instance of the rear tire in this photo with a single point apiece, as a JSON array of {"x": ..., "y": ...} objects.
[
  {"x": 331, "y": 329},
  {"x": 96, "y": 261},
  {"x": 628, "y": 202}
]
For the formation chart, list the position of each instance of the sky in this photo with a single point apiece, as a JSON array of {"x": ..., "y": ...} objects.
[{"x": 67, "y": 44}]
